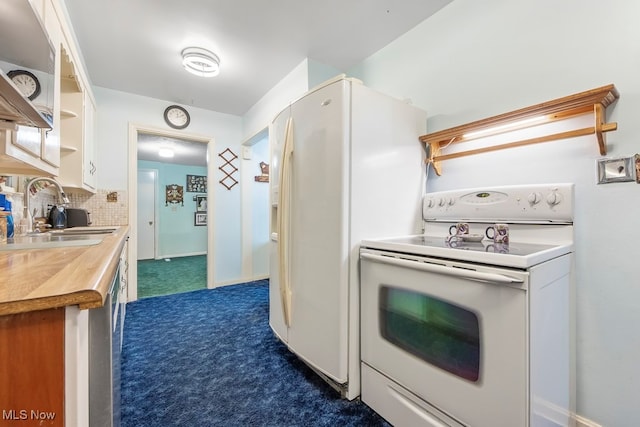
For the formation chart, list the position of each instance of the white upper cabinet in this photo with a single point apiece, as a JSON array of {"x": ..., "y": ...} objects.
[
  {"x": 28, "y": 43},
  {"x": 67, "y": 150},
  {"x": 78, "y": 166},
  {"x": 77, "y": 110}
]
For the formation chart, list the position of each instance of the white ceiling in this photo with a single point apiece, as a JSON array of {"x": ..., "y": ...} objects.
[
  {"x": 186, "y": 152},
  {"x": 134, "y": 45}
]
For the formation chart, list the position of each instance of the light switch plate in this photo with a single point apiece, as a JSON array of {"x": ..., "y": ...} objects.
[{"x": 616, "y": 170}]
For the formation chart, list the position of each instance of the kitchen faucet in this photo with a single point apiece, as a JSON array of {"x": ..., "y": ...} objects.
[{"x": 64, "y": 200}]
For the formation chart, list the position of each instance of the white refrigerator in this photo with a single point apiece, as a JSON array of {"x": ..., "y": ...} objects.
[{"x": 346, "y": 165}]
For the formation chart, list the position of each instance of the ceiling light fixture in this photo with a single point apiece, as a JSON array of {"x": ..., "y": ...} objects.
[
  {"x": 200, "y": 62},
  {"x": 166, "y": 152}
]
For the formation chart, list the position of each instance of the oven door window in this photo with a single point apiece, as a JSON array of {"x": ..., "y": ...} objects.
[{"x": 440, "y": 333}]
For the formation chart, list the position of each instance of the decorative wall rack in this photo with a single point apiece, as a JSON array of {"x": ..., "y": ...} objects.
[{"x": 594, "y": 101}]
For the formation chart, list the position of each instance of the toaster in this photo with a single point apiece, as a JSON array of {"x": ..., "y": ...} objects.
[{"x": 77, "y": 217}]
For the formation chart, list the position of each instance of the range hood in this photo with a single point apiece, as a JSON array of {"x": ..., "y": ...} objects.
[
  {"x": 25, "y": 45},
  {"x": 15, "y": 108}
]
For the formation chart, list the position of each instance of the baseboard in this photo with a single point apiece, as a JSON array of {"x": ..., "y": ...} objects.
[
  {"x": 556, "y": 415},
  {"x": 181, "y": 255},
  {"x": 239, "y": 281},
  {"x": 584, "y": 422}
]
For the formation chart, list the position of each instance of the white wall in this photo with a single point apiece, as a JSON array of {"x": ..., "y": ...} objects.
[
  {"x": 304, "y": 76},
  {"x": 260, "y": 211},
  {"x": 291, "y": 87},
  {"x": 319, "y": 72},
  {"x": 477, "y": 59},
  {"x": 117, "y": 109}
]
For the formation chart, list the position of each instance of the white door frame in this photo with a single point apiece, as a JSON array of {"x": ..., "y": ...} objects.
[{"x": 134, "y": 129}]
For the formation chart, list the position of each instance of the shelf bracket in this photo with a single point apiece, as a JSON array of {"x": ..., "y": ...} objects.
[
  {"x": 434, "y": 153},
  {"x": 601, "y": 127}
]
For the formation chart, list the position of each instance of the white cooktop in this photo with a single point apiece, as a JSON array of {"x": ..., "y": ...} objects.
[
  {"x": 539, "y": 217},
  {"x": 515, "y": 254}
]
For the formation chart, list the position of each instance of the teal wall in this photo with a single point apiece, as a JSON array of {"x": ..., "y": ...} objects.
[
  {"x": 260, "y": 211},
  {"x": 177, "y": 234}
]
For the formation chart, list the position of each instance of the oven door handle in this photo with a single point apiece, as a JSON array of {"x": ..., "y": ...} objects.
[{"x": 441, "y": 269}]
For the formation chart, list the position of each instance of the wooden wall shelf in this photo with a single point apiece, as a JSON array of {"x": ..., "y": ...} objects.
[{"x": 593, "y": 101}]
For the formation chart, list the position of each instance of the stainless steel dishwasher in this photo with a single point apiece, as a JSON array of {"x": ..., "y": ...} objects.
[{"x": 104, "y": 360}]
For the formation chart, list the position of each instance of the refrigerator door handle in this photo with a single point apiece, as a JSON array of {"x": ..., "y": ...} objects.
[{"x": 283, "y": 223}]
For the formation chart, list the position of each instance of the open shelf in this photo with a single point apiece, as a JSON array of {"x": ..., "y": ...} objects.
[
  {"x": 593, "y": 101},
  {"x": 68, "y": 149},
  {"x": 68, "y": 114}
]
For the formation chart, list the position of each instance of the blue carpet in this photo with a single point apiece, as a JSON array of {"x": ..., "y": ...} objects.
[{"x": 209, "y": 358}]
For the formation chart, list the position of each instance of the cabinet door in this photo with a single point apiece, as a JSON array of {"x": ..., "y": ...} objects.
[
  {"x": 28, "y": 139},
  {"x": 50, "y": 151},
  {"x": 45, "y": 145},
  {"x": 32, "y": 368},
  {"x": 89, "y": 142}
]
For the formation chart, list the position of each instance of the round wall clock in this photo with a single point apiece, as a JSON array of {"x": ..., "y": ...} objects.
[
  {"x": 25, "y": 81},
  {"x": 177, "y": 117}
]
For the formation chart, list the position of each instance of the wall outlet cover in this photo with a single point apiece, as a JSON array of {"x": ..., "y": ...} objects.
[{"x": 622, "y": 169}]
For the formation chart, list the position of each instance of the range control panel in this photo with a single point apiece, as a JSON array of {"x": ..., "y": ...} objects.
[{"x": 551, "y": 203}]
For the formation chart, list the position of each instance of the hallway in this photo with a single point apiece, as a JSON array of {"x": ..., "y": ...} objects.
[{"x": 171, "y": 275}]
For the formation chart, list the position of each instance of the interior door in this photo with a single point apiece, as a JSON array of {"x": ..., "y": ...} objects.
[{"x": 147, "y": 179}]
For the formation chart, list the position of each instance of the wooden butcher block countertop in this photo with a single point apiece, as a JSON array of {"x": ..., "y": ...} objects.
[{"x": 38, "y": 279}]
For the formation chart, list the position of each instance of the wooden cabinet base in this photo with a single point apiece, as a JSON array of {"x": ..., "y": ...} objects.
[{"x": 32, "y": 368}]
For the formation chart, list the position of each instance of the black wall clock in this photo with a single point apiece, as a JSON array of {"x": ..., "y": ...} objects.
[
  {"x": 177, "y": 117},
  {"x": 25, "y": 81}
]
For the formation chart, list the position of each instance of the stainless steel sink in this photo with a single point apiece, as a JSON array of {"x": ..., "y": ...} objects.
[
  {"x": 50, "y": 240},
  {"x": 81, "y": 231},
  {"x": 67, "y": 237}
]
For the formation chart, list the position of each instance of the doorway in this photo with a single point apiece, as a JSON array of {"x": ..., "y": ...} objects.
[
  {"x": 136, "y": 134},
  {"x": 147, "y": 218},
  {"x": 255, "y": 206}
]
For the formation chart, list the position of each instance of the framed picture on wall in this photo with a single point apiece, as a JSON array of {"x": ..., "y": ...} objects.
[
  {"x": 196, "y": 184},
  {"x": 200, "y": 218},
  {"x": 201, "y": 203}
]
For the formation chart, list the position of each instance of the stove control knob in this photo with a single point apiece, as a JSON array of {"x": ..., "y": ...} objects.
[
  {"x": 442, "y": 202},
  {"x": 430, "y": 203},
  {"x": 534, "y": 198},
  {"x": 452, "y": 201},
  {"x": 554, "y": 198}
]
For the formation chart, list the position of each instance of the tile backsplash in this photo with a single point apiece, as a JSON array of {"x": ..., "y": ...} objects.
[{"x": 106, "y": 207}]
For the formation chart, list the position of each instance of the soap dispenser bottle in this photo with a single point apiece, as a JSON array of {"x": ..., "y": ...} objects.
[{"x": 10, "y": 228}]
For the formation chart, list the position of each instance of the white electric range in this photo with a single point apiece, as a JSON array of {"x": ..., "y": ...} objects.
[{"x": 463, "y": 331}]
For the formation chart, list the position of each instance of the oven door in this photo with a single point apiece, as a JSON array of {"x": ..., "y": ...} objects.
[{"x": 451, "y": 333}]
